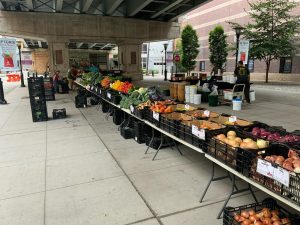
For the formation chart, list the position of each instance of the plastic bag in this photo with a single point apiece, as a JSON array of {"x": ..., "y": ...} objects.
[
  {"x": 214, "y": 91},
  {"x": 205, "y": 87}
]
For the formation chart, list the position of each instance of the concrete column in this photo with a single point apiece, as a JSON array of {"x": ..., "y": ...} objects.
[
  {"x": 59, "y": 57},
  {"x": 130, "y": 60}
]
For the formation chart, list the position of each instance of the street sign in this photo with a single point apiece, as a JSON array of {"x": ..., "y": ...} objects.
[{"x": 176, "y": 58}]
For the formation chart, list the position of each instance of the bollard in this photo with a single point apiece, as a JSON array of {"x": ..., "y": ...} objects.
[{"x": 2, "y": 100}]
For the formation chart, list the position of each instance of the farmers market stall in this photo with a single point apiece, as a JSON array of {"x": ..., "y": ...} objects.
[{"x": 264, "y": 156}]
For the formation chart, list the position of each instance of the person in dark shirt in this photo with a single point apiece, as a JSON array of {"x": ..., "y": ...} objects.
[{"x": 243, "y": 77}]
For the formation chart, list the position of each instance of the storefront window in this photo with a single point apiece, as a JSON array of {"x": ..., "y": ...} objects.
[
  {"x": 202, "y": 66},
  {"x": 285, "y": 65},
  {"x": 251, "y": 65}
]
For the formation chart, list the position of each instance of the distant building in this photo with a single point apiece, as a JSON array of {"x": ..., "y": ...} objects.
[
  {"x": 219, "y": 12},
  {"x": 153, "y": 57}
]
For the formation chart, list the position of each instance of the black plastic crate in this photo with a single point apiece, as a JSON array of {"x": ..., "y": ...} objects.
[
  {"x": 116, "y": 99},
  {"x": 50, "y": 97},
  {"x": 230, "y": 212},
  {"x": 139, "y": 132},
  {"x": 127, "y": 132},
  {"x": 39, "y": 115},
  {"x": 148, "y": 114},
  {"x": 59, "y": 113},
  {"x": 140, "y": 113},
  {"x": 105, "y": 106},
  {"x": 118, "y": 116},
  {"x": 80, "y": 101},
  {"x": 95, "y": 100},
  {"x": 235, "y": 157}
]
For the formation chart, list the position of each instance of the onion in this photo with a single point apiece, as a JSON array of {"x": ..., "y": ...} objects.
[
  {"x": 267, "y": 213},
  {"x": 252, "y": 212},
  {"x": 237, "y": 217},
  {"x": 247, "y": 140},
  {"x": 246, "y": 222},
  {"x": 252, "y": 145},
  {"x": 262, "y": 143},
  {"x": 277, "y": 222},
  {"x": 245, "y": 214},
  {"x": 253, "y": 218},
  {"x": 221, "y": 137},
  {"x": 231, "y": 133},
  {"x": 238, "y": 140},
  {"x": 285, "y": 220}
]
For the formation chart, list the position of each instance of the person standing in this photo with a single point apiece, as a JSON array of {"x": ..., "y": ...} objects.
[
  {"x": 72, "y": 75},
  {"x": 56, "y": 81},
  {"x": 243, "y": 77}
]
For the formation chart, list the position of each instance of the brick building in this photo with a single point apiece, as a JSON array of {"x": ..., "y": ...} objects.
[{"x": 219, "y": 12}]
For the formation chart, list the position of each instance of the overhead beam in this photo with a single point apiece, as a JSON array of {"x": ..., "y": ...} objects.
[
  {"x": 92, "y": 45},
  {"x": 24, "y": 43},
  {"x": 78, "y": 45},
  {"x": 77, "y": 7},
  {"x": 29, "y": 4},
  {"x": 166, "y": 8},
  {"x": 133, "y": 7},
  {"x": 184, "y": 10},
  {"x": 111, "y": 6},
  {"x": 104, "y": 46},
  {"x": 87, "y": 5},
  {"x": 59, "y": 5},
  {"x": 40, "y": 44}
]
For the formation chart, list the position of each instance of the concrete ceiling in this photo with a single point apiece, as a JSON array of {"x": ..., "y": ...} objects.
[{"x": 161, "y": 10}]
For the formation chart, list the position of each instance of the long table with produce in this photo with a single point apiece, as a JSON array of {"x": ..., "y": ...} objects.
[{"x": 264, "y": 156}]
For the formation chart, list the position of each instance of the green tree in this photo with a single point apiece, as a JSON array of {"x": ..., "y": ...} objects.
[
  {"x": 190, "y": 48},
  {"x": 218, "y": 48},
  {"x": 272, "y": 30}
]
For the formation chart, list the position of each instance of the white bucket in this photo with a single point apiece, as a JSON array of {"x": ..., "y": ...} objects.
[
  {"x": 225, "y": 94},
  {"x": 187, "y": 98},
  {"x": 232, "y": 79},
  {"x": 237, "y": 105},
  {"x": 187, "y": 89},
  {"x": 197, "y": 99},
  {"x": 252, "y": 96},
  {"x": 191, "y": 98},
  {"x": 193, "y": 89},
  {"x": 229, "y": 95}
]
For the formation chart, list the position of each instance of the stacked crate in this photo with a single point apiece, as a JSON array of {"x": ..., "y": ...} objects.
[
  {"x": 37, "y": 99},
  {"x": 49, "y": 89}
]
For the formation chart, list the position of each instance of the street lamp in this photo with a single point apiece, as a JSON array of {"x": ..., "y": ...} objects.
[
  {"x": 238, "y": 32},
  {"x": 20, "y": 57},
  {"x": 165, "y": 47}
]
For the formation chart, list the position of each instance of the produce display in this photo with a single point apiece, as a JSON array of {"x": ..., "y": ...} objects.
[
  {"x": 161, "y": 107},
  {"x": 292, "y": 163},
  {"x": 123, "y": 87},
  {"x": 105, "y": 83},
  {"x": 135, "y": 98},
  {"x": 264, "y": 217},
  {"x": 233, "y": 140},
  {"x": 265, "y": 134},
  {"x": 90, "y": 78}
]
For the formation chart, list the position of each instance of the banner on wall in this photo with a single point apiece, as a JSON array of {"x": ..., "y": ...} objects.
[
  {"x": 8, "y": 55},
  {"x": 244, "y": 47},
  {"x": 27, "y": 60}
]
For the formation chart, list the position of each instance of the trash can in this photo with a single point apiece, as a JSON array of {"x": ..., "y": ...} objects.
[{"x": 213, "y": 100}]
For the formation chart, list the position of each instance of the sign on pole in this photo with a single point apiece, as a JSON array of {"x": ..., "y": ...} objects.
[
  {"x": 8, "y": 55},
  {"x": 177, "y": 58},
  {"x": 243, "y": 55}
]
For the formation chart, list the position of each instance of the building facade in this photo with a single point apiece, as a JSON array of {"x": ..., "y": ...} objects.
[{"x": 220, "y": 12}]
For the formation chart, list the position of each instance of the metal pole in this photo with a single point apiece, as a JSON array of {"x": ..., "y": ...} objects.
[
  {"x": 22, "y": 76},
  {"x": 237, "y": 49},
  {"x": 2, "y": 100},
  {"x": 165, "y": 64}
]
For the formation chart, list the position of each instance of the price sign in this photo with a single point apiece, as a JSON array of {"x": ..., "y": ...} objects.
[
  {"x": 109, "y": 95},
  {"x": 201, "y": 134},
  {"x": 100, "y": 91},
  {"x": 156, "y": 116},
  {"x": 232, "y": 119},
  {"x": 195, "y": 130},
  {"x": 281, "y": 175},
  {"x": 206, "y": 113},
  {"x": 131, "y": 109},
  {"x": 136, "y": 138},
  {"x": 265, "y": 168},
  {"x": 187, "y": 107}
]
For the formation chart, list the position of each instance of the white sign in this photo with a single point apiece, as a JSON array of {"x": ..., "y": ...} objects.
[
  {"x": 100, "y": 91},
  {"x": 109, "y": 95},
  {"x": 131, "y": 108},
  {"x": 156, "y": 116},
  {"x": 8, "y": 55},
  {"x": 187, "y": 107},
  {"x": 243, "y": 55},
  {"x": 277, "y": 173},
  {"x": 198, "y": 133},
  {"x": 207, "y": 113},
  {"x": 232, "y": 119},
  {"x": 282, "y": 176}
]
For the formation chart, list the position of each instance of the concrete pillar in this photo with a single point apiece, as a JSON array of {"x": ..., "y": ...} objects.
[
  {"x": 59, "y": 57},
  {"x": 130, "y": 60}
]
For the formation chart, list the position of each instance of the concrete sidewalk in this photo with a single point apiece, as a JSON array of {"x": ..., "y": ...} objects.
[{"x": 80, "y": 171}]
